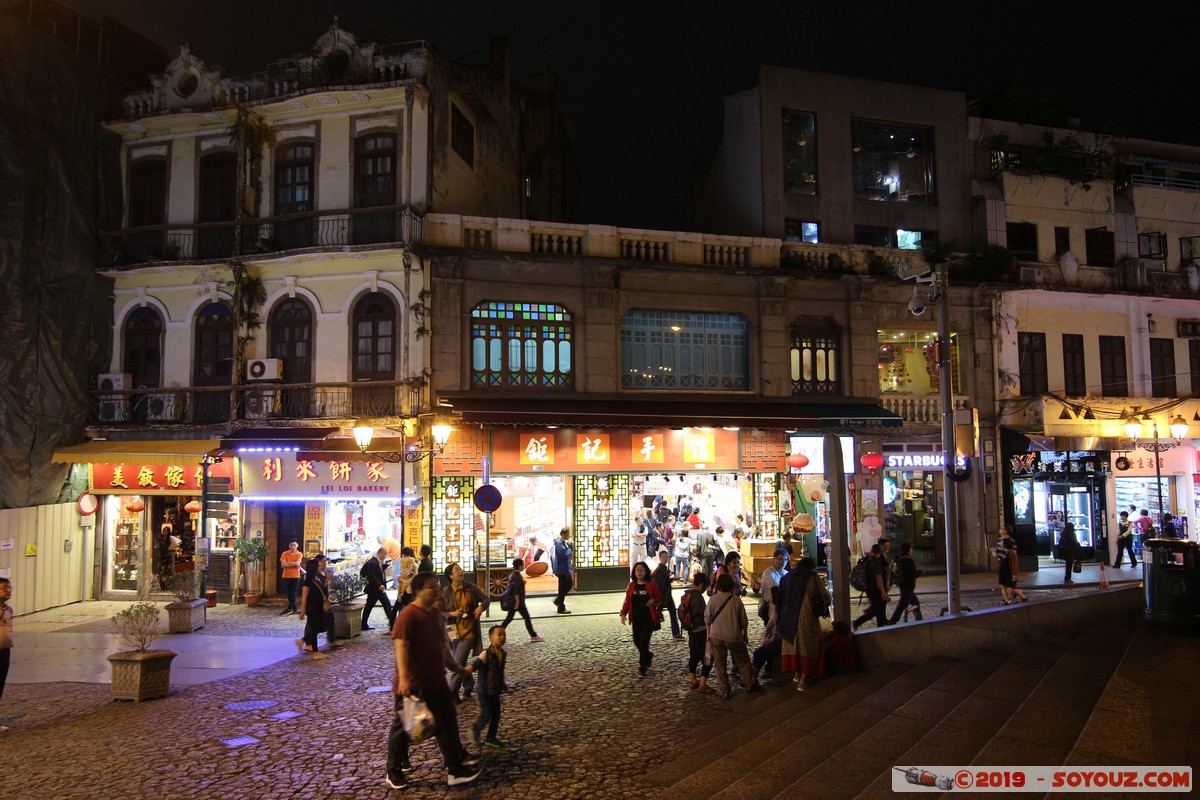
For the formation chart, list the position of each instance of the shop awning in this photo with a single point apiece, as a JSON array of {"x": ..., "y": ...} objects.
[
  {"x": 657, "y": 411},
  {"x": 158, "y": 452},
  {"x": 267, "y": 437}
]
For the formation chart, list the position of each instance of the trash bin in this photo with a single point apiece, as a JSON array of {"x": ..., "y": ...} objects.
[
  {"x": 1172, "y": 581},
  {"x": 211, "y": 597}
]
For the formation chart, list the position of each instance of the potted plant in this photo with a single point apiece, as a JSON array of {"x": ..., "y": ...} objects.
[
  {"x": 139, "y": 673},
  {"x": 187, "y": 613},
  {"x": 251, "y": 552},
  {"x": 347, "y": 614}
]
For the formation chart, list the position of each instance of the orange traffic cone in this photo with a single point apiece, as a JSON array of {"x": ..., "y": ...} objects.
[{"x": 1103, "y": 577}]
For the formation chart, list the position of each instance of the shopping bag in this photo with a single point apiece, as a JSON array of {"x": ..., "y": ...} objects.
[
  {"x": 417, "y": 719},
  {"x": 1077, "y": 567}
]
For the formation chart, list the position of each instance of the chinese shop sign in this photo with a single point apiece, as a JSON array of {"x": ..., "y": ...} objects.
[
  {"x": 570, "y": 450},
  {"x": 289, "y": 474},
  {"x": 149, "y": 479}
]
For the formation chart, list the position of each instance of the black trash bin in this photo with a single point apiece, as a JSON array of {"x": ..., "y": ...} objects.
[{"x": 1172, "y": 570}]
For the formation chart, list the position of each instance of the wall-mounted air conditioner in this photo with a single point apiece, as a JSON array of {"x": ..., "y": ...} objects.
[
  {"x": 260, "y": 403},
  {"x": 1031, "y": 275},
  {"x": 264, "y": 369},
  {"x": 162, "y": 407},
  {"x": 114, "y": 407}
]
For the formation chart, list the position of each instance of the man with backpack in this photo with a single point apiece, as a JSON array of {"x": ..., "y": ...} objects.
[
  {"x": 513, "y": 600},
  {"x": 873, "y": 585},
  {"x": 691, "y": 617},
  {"x": 906, "y": 573},
  {"x": 707, "y": 550},
  {"x": 564, "y": 568}
]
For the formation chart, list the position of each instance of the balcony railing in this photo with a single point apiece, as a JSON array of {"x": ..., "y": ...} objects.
[
  {"x": 386, "y": 225},
  {"x": 1185, "y": 184},
  {"x": 919, "y": 409},
  {"x": 259, "y": 403}
]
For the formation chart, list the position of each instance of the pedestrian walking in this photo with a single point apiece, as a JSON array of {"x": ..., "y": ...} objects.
[
  {"x": 488, "y": 669},
  {"x": 905, "y": 573},
  {"x": 662, "y": 579},
  {"x": 314, "y": 606},
  {"x": 466, "y": 603},
  {"x": 1011, "y": 565},
  {"x": 376, "y": 587},
  {"x": 727, "y": 635},
  {"x": 425, "y": 564},
  {"x": 564, "y": 568},
  {"x": 290, "y": 561},
  {"x": 419, "y": 639},
  {"x": 732, "y": 567},
  {"x": 6, "y": 634},
  {"x": 707, "y": 550},
  {"x": 641, "y": 611},
  {"x": 1125, "y": 540},
  {"x": 403, "y": 570},
  {"x": 691, "y": 616},
  {"x": 1068, "y": 550},
  {"x": 681, "y": 556},
  {"x": 877, "y": 594},
  {"x": 803, "y": 600},
  {"x": 516, "y": 591},
  {"x": 393, "y": 550}
]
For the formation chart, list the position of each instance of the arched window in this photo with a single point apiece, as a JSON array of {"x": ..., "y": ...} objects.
[
  {"x": 684, "y": 350},
  {"x": 816, "y": 346},
  {"x": 375, "y": 185},
  {"x": 289, "y": 338},
  {"x": 213, "y": 363},
  {"x": 521, "y": 346},
  {"x": 373, "y": 356},
  {"x": 143, "y": 347}
]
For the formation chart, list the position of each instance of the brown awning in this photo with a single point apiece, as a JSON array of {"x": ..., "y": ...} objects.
[
  {"x": 157, "y": 452},
  {"x": 658, "y": 411}
]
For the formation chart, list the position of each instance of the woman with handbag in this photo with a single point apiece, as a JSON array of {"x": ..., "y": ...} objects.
[
  {"x": 314, "y": 605},
  {"x": 641, "y": 609},
  {"x": 803, "y": 601},
  {"x": 1068, "y": 550}
]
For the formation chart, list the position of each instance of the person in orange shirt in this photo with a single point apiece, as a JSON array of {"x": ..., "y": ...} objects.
[
  {"x": 393, "y": 553},
  {"x": 290, "y": 561}
]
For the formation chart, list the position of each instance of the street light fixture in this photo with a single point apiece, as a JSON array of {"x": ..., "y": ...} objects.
[{"x": 1133, "y": 429}]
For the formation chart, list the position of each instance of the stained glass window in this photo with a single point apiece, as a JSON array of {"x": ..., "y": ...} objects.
[
  {"x": 521, "y": 346},
  {"x": 453, "y": 522},
  {"x": 684, "y": 350},
  {"x": 814, "y": 356}
]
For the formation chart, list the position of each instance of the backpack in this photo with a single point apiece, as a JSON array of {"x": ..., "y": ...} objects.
[
  {"x": 685, "y": 610},
  {"x": 362, "y": 571},
  {"x": 508, "y": 600},
  {"x": 858, "y": 574}
]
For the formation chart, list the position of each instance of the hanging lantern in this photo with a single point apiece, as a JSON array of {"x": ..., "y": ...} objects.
[
  {"x": 135, "y": 506},
  {"x": 797, "y": 461},
  {"x": 193, "y": 507},
  {"x": 872, "y": 461}
]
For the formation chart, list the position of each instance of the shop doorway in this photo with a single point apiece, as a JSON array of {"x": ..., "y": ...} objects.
[{"x": 289, "y": 528}]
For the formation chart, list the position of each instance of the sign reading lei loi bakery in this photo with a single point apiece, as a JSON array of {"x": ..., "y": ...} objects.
[
  {"x": 289, "y": 475},
  {"x": 181, "y": 478}
]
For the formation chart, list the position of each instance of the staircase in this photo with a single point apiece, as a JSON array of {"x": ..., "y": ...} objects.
[{"x": 1082, "y": 698}]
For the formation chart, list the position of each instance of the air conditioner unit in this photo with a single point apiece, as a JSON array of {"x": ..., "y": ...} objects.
[
  {"x": 264, "y": 369},
  {"x": 161, "y": 407},
  {"x": 260, "y": 403},
  {"x": 114, "y": 407},
  {"x": 1031, "y": 275}
]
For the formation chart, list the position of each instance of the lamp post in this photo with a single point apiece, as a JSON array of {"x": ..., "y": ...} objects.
[
  {"x": 1133, "y": 429},
  {"x": 363, "y": 433}
]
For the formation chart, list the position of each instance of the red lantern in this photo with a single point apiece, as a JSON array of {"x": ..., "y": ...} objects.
[
  {"x": 135, "y": 506},
  {"x": 193, "y": 507},
  {"x": 797, "y": 461},
  {"x": 872, "y": 461}
]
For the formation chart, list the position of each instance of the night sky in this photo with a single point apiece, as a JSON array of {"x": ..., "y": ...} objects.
[{"x": 643, "y": 82}]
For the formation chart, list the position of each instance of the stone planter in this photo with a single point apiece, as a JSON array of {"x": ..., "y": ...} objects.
[
  {"x": 347, "y": 620},
  {"x": 252, "y": 599},
  {"x": 185, "y": 616},
  {"x": 138, "y": 675}
]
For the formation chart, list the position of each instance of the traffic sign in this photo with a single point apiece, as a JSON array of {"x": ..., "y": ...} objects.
[{"x": 488, "y": 498}]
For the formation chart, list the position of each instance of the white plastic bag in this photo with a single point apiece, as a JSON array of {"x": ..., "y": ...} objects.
[{"x": 417, "y": 719}]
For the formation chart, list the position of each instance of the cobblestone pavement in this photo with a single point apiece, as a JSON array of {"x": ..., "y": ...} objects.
[{"x": 579, "y": 723}]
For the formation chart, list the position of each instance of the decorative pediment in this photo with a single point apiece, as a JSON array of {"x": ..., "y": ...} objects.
[{"x": 188, "y": 82}]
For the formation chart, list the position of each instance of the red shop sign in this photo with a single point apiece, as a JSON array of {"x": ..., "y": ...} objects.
[{"x": 143, "y": 479}]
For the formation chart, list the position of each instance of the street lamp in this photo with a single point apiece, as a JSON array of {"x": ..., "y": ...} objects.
[
  {"x": 1133, "y": 429},
  {"x": 364, "y": 431}
]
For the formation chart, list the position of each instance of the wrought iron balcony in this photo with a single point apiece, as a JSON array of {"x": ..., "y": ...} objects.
[
  {"x": 260, "y": 403},
  {"x": 215, "y": 241}
]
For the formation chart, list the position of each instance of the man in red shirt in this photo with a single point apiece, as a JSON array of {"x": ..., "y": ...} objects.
[{"x": 422, "y": 658}]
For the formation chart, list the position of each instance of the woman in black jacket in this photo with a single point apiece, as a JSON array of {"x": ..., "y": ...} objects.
[{"x": 1068, "y": 550}]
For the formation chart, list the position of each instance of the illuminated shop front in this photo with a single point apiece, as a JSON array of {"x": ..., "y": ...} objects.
[
  {"x": 804, "y": 497},
  {"x": 340, "y": 506},
  {"x": 1048, "y": 489},
  {"x": 148, "y": 522},
  {"x": 913, "y": 498}
]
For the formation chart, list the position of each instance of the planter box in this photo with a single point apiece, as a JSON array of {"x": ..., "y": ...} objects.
[
  {"x": 347, "y": 620},
  {"x": 187, "y": 616},
  {"x": 139, "y": 676}
]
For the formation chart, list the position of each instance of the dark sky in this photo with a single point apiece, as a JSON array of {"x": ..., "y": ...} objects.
[{"x": 643, "y": 82}]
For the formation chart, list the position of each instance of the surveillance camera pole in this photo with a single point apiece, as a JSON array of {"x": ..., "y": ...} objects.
[{"x": 941, "y": 293}]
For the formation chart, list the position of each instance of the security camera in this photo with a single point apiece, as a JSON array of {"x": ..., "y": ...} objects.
[{"x": 918, "y": 304}]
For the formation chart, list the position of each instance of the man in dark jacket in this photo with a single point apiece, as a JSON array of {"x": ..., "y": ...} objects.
[
  {"x": 662, "y": 579},
  {"x": 425, "y": 564},
  {"x": 876, "y": 590},
  {"x": 376, "y": 587},
  {"x": 905, "y": 574}
]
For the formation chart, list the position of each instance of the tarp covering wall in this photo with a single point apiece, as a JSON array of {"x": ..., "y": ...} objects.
[{"x": 55, "y": 312}]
